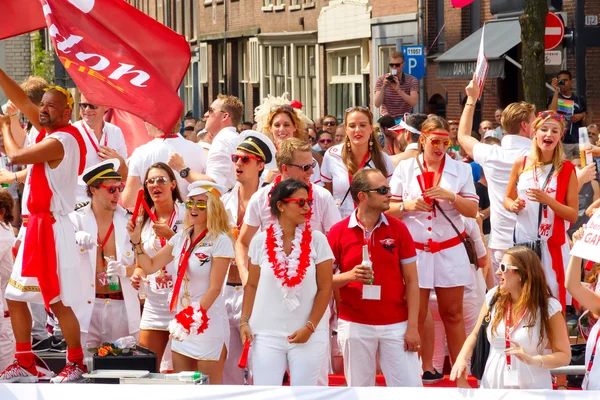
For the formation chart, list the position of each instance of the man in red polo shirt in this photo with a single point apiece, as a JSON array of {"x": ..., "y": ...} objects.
[{"x": 379, "y": 307}]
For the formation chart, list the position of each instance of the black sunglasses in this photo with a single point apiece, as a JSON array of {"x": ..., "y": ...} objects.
[
  {"x": 285, "y": 107},
  {"x": 84, "y": 105},
  {"x": 330, "y": 123},
  {"x": 381, "y": 190},
  {"x": 395, "y": 65},
  {"x": 305, "y": 167}
]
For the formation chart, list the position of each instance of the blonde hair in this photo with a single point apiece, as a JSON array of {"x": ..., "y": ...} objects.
[
  {"x": 217, "y": 221},
  {"x": 232, "y": 106},
  {"x": 514, "y": 114},
  {"x": 285, "y": 152},
  {"x": 262, "y": 112},
  {"x": 296, "y": 121},
  {"x": 375, "y": 148},
  {"x": 558, "y": 156},
  {"x": 34, "y": 88},
  {"x": 432, "y": 124}
]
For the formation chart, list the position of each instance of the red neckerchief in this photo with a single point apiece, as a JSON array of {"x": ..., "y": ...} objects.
[
  {"x": 92, "y": 139},
  {"x": 169, "y": 136},
  {"x": 557, "y": 239},
  {"x": 39, "y": 251},
  {"x": 184, "y": 258}
]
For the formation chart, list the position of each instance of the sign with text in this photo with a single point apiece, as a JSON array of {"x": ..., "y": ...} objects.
[
  {"x": 553, "y": 57},
  {"x": 414, "y": 61},
  {"x": 588, "y": 247},
  {"x": 481, "y": 68},
  {"x": 591, "y": 20}
]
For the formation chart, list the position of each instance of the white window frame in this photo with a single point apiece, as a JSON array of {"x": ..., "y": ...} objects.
[
  {"x": 336, "y": 58},
  {"x": 254, "y": 65},
  {"x": 243, "y": 72},
  {"x": 203, "y": 53}
]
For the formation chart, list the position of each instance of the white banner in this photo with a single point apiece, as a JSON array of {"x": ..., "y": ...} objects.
[{"x": 589, "y": 246}]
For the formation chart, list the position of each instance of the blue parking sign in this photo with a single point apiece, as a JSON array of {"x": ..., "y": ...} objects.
[{"x": 414, "y": 61}]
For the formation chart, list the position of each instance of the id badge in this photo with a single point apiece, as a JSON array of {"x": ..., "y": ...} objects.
[
  {"x": 511, "y": 377},
  {"x": 545, "y": 229},
  {"x": 371, "y": 292}
]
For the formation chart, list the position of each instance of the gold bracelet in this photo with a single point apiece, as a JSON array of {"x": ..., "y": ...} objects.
[
  {"x": 244, "y": 323},
  {"x": 311, "y": 325},
  {"x": 243, "y": 316},
  {"x": 469, "y": 105}
]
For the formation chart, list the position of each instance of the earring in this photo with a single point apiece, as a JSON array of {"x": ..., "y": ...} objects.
[
  {"x": 348, "y": 146},
  {"x": 370, "y": 144}
]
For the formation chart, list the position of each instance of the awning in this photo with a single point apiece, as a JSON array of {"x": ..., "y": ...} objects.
[{"x": 500, "y": 37}]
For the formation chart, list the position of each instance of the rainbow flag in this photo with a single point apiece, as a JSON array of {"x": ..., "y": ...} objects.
[{"x": 566, "y": 107}]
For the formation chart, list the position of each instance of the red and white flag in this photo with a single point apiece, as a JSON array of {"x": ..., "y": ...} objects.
[{"x": 119, "y": 57}]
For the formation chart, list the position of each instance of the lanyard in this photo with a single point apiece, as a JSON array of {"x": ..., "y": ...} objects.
[
  {"x": 591, "y": 362},
  {"x": 92, "y": 139},
  {"x": 163, "y": 241},
  {"x": 184, "y": 257},
  {"x": 439, "y": 173},
  {"x": 362, "y": 164},
  {"x": 103, "y": 243},
  {"x": 544, "y": 187},
  {"x": 508, "y": 331}
]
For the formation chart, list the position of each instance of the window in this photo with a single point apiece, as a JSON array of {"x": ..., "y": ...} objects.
[
  {"x": 203, "y": 63},
  {"x": 188, "y": 90},
  {"x": 194, "y": 19},
  {"x": 384, "y": 58},
  {"x": 167, "y": 13},
  {"x": 179, "y": 16},
  {"x": 346, "y": 81},
  {"x": 221, "y": 67},
  {"x": 439, "y": 23},
  {"x": 243, "y": 70},
  {"x": 254, "y": 60},
  {"x": 306, "y": 78}
]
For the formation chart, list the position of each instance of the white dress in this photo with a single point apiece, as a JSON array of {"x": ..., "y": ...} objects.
[
  {"x": 527, "y": 226},
  {"x": 594, "y": 376},
  {"x": 335, "y": 172},
  {"x": 530, "y": 377},
  {"x": 156, "y": 315},
  {"x": 209, "y": 344}
]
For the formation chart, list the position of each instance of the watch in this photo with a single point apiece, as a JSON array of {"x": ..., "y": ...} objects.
[
  {"x": 184, "y": 172},
  {"x": 402, "y": 207}
]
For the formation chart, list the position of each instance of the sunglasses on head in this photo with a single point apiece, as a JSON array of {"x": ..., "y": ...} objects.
[
  {"x": 83, "y": 106},
  {"x": 159, "y": 180},
  {"x": 300, "y": 202},
  {"x": 200, "y": 205},
  {"x": 381, "y": 190},
  {"x": 114, "y": 188},
  {"x": 359, "y": 108},
  {"x": 245, "y": 159},
  {"x": 330, "y": 123},
  {"x": 325, "y": 141},
  {"x": 505, "y": 267},
  {"x": 395, "y": 65},
  {"x": 285, "y": 107},
  {"x": 437, "y": 142},
  {"x": 305, "y": 167},
  {"x": 555, "y": 116}
]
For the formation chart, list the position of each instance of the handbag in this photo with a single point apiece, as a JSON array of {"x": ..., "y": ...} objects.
[
  {"x": 482, "y": 345},
  {"x": 535, "y": 245}
]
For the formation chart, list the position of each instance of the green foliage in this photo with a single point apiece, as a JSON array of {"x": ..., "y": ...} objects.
[{"x": 42, "y": 61}]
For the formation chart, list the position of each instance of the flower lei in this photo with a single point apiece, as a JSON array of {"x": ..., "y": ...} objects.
[{"x": 192, "y": 320}]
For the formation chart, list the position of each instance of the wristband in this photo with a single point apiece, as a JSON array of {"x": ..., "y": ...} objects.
[
  {"x": 455, "y": 198},
  {"x": 310, "y": 326}
]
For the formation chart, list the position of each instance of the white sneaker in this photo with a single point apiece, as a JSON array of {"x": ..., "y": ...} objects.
[
  {"x": 15, "y": 373},
  {"x": 70, "y": 373}
]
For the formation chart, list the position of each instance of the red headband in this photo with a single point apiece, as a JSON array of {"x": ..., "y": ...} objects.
[{"x": 437, "y": 133}]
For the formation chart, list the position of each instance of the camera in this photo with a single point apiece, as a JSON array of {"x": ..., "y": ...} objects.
[
  {"x": 561, "y": 82},
  {"x": 390, "y": 78}
]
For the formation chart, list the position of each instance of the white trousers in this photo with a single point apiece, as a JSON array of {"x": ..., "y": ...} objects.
[
  {"x": 7, "y": 341},
  {"x": 361, "y": 343},
  {"x": 272, "y": 354},
  {"x": 232, "y": 374}
]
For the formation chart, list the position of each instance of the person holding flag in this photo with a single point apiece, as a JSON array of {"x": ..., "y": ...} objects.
[
  {"x": 202, "y": 253},
  {"x": 44, "y": 270}
]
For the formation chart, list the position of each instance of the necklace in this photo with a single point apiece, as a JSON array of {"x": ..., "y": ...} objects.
[{"x": 289, "y": 270}]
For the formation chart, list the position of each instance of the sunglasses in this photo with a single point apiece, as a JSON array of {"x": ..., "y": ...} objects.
[
  {"x": 305, "y": 167},
  {"x": 189, "y": 128},
  {"x": 395, "y": 65},
  {"x": 436, "y": 142},
  {"x": 555, "y": 116},
  {"x": 381, "y": 190},
  {"x": 360, "y": 108},
  {"x": 200, "y": 205},
  {"x": 312, "y": 139},
  {"x": 212, "y": 110},
  {"x": 245, "y": 159},
  {"x": 301, "y": 202},
  {"x": 113, "y": 189},
  {"x": 285, "y": 107},
  {"x": 505, "y": 267},
  {"x": 330, "y": 123},
  {"x": 83, "y": 106},
  {"x": 325, "y": 141},
  {"x": 453, "y": 122},
  {"x": 159, "y": 180}
]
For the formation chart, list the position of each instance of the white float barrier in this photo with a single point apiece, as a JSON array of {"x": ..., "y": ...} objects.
[{"x": 185, "y": 392}]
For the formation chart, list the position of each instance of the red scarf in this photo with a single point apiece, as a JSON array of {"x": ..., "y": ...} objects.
[
  {"x": 557, "y": 239},
  {"x": 39, "y": 251}
]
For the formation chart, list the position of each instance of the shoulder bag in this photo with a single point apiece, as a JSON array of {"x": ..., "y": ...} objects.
[{"x": 481, "y": 351}]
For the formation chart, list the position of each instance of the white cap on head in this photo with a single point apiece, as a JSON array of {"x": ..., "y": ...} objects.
[
  {"x": 106, "y": 169},
  {"x": 493, "y": 133},
  {"x": 259, "y": 145},
  {"x": 201, "y": 187}
]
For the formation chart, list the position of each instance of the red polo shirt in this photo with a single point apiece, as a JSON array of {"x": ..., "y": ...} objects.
[{"x": 391, "y": 246}]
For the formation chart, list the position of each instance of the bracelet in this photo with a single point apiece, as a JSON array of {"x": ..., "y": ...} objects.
[
  {"x": 244, "y": 317},
  {"x": 244, "y": 323},
  {"x": 455, "y": 198},
  {"x": 470, "y": 105},
  {"x": 310, "y": 326},
  {"x": 135, "y": 244},
  {"x": 542, "y": 361}
]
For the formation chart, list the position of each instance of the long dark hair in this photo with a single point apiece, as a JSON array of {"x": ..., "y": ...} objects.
[{"x": 175, "y": 194}]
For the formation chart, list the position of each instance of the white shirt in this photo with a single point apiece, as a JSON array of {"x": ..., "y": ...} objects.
[
  {"x": 270, "y": 314},
  {"x": 497, "y": 162},
  {"x": 159, "y": 150},
  {"x": 219, "y": 166},
  {"x": 112, "y": 137},
  {"x": 325, "y": 213},
  {"x": 335, "y": 172}
]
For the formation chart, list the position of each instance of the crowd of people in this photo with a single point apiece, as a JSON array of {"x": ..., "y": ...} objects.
[{"x": 325, "y": 246}]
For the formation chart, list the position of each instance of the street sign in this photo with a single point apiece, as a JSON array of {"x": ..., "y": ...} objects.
[
  {"x": 414, "y": 61},
  {"x": 591, "y": 20},
  {"x": 555, "y": 31},
  {"x": 553, "y": 57}
]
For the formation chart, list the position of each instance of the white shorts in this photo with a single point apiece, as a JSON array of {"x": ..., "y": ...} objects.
[
  {"x": 156, "y": 315},
  {"x": 27, "y": 289},
  {"x": 361, "y": 343},
  {"x": 108, "y": 323},
  {"x": 272, "y": 354}
]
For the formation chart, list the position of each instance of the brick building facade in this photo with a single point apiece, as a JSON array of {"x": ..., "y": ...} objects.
[
  {"x": 15, "y": 59},
  {"x": 328, "y": 54}
]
